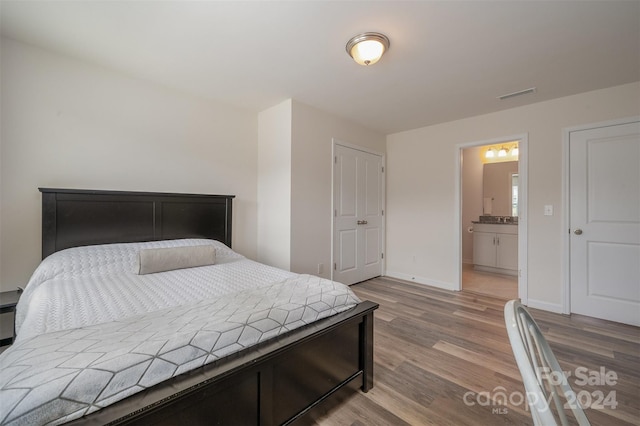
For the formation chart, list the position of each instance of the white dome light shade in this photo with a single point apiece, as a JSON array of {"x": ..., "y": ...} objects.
[{"x": 367, "y": 48}]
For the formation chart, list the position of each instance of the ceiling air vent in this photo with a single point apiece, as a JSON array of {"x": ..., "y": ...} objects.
[{"x": 514, "y": 94}]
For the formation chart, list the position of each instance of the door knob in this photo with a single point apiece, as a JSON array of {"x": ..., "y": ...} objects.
[
  {"x": 362, "y": 222},
  {"x": 578, "y": 231}
]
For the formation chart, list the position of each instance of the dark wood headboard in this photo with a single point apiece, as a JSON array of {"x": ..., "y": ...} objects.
[{"x": 76, "y": 217}]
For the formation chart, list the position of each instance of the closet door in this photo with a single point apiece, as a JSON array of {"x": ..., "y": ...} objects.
[{"x": 358, "y": 214}]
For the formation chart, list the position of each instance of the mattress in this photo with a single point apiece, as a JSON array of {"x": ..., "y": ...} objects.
[{"x": 115, "y": 343}]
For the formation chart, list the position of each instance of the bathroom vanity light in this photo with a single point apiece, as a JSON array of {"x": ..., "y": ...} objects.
[
  {"x": 367, "y": 48},
  {"x": 504, "y": 151}
]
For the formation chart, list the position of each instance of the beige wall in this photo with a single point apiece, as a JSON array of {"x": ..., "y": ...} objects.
[
  {"x": 67, "y": 123},
  {"x": 294, "y": 188},
  {"x": 421, "y": 186},
  {"x": 274, "y": 185},
  {"x": 311, "y": 174}
]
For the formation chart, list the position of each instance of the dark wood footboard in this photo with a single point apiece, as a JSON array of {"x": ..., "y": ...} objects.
[{"x": 275, "y": 382}]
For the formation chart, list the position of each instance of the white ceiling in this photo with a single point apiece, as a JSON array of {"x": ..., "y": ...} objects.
[{"x": 448, "y": 59}]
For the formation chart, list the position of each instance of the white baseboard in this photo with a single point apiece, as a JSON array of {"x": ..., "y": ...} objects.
[
  {"x": 545, "y": 306},
  {"x": 421, "y": 280}
]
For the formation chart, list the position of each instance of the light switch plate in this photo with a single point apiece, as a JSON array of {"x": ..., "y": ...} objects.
[{"x": 548, "y": 210}]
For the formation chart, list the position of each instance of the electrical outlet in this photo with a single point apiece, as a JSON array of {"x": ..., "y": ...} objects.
[
  {"x": 320, "y": 268},
  {"x": 548, "y": 210}
]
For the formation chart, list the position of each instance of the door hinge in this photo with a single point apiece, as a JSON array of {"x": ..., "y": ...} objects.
[
  {"x": 382, "y": 212},
  {"x": 382, "y": 169},
  {"x": 335, "y": 159},
  {"x": 382, "y": 254},
  {"x": 335, "y": 266}
]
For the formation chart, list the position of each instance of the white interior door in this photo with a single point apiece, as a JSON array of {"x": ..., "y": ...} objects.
[
  {"x": 604, "y": 184},
  {"x": 358, "y": 214}
]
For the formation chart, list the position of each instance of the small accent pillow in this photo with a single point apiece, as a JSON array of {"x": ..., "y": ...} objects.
[{"x": 168, "y": 259}]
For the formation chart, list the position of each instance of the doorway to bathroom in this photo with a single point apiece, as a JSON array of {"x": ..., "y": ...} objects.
[{"x": 491, "y": 206}]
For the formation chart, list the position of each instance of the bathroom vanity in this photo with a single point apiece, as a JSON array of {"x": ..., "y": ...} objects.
[{"x": 495, "y": 247}]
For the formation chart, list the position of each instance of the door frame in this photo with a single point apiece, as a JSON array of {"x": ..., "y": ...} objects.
[
  {"x": 334, "y": 143},
  {"x": 566, "y": 198},
  {"x": 523, "y": 196}
]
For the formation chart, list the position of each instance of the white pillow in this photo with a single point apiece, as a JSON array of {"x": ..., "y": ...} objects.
[{"x": 167, "y": 259}]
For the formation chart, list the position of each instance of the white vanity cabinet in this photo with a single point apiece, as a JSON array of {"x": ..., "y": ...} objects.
[{"x": 495, "y": 247}]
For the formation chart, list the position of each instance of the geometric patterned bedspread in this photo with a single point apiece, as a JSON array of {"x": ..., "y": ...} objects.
[{"x": 56, "y": 377}]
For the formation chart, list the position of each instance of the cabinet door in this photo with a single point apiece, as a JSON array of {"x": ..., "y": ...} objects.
[
  {"x": 507, "y": 251},
  {"x": 484, "y": 249}
]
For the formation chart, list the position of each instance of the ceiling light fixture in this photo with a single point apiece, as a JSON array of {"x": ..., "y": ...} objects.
[
  {"x": 367, "y": 48},
  {"x": 502, "y": 152}
]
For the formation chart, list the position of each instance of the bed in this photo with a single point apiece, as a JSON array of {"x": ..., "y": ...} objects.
[{"x": 303, "y": 340}]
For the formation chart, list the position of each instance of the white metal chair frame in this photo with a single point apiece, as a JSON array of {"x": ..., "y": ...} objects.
[{"x": 543, "y": 378}]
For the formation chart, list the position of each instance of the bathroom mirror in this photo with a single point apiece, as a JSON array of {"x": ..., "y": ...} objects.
[{"x": 500, "y": 188}]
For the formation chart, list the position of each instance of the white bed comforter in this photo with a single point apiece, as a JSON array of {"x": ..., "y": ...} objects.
[
  {"x": 65, "y": 365},
  {"x": 95, "y": 284}
]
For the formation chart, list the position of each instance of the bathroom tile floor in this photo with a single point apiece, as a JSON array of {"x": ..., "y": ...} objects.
[{"x": 486, "y": 283}]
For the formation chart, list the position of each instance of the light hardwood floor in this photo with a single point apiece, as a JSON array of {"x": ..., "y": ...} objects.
[
  {"x": 433, "y": 347},
  {"x": 487, "y": 283}
]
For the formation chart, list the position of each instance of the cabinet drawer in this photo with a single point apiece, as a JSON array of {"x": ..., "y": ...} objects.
[{"x": 496, "y": 228}]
